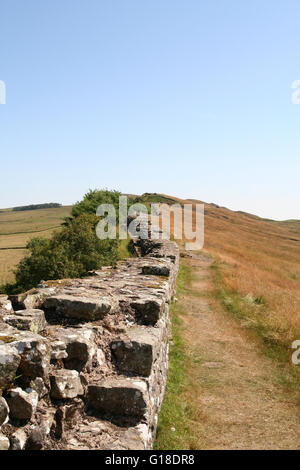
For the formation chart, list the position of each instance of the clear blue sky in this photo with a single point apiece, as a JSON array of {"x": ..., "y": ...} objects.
[{"x": 190, "y": 98}]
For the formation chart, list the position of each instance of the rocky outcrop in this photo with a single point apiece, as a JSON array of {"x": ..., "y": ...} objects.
[{"x": 83, "y": 362}]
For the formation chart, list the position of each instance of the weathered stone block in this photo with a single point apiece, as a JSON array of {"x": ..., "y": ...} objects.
[
  {"x": 148, "y": 310},
  {"x": 156, "y": 269},
  {"x": 5, "y": 304},
  {"x": 58, "y": 350},
  {"x": 135, "y": 356},
  {"x": 24, "y": 301},
  {"x": 35, "y": 353},
  {"x": 119, "y": 397},
  {"x": 35, "y": 440},
  {"x": 18, "y": 440},
  {"x": 79, "y": 346},
  {"x": 31, "y": 320},
  {"x": 65, "y": 384},
  {"x": 22, "y": 404},
  {"x": 9, "y": 363},
  {"x": 46, "y": 421},
  {"x": 81, "y": 308},
  {"x": 4, "y": 411},
  {"x": 39, "y": 386}
]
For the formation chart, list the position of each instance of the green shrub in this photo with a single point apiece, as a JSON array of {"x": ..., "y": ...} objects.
[
  {"x": 72, "y": 251},
  {"x": 93, "y": 199}
]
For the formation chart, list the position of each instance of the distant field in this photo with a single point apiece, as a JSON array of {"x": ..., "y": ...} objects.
[{"x": 17, "y": 228}]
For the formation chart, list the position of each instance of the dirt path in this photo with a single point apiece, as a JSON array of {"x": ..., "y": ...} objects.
[{"x": 241, "y": 402}]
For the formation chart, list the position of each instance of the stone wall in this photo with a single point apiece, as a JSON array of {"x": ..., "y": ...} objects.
[{"x": 83, "y": 362}]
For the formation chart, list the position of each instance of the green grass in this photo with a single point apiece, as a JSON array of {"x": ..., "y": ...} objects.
[
  {"x": 176, "y": 426},
  {"x": 126, "y": 249}
]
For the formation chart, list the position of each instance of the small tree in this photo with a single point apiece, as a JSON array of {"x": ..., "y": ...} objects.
[
  {"x": 72, "y": 251},
  {"x": 93, "y": 199}
]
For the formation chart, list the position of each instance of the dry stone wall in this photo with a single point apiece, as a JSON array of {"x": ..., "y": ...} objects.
[{"x": 83, "y": 362}]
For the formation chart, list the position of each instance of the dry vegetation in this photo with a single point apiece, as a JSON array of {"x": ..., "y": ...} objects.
[
  {"x": 222, "y": 391},
  {"x": 17, "y": 228},
  {"x": 259, "y": 267},
  {"x": 257, "y": 273},
  {"x": 240, "y": 389}
]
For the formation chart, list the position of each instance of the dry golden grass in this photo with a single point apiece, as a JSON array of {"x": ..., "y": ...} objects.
[
  {"x": 9, "y": 259},
  {"x": 241, "y": 399},
  {"x": 17, "y": 228},
  {"x": 31, "y": 221},
  {"x": 240, "y": 380},
  {"x": 260, "y": 261}
]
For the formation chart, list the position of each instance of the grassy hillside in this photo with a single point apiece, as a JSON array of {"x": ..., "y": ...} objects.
[
  {"x": 238, "y": 312},
  {"x": 257, "y": 273},
  {"x": 16, "y": 229},
  {"x": 257, "y": 270},
  {"x": 292, "y": 225}
]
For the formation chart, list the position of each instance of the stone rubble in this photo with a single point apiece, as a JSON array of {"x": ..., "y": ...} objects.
[{"x": 83, "y": 362}]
